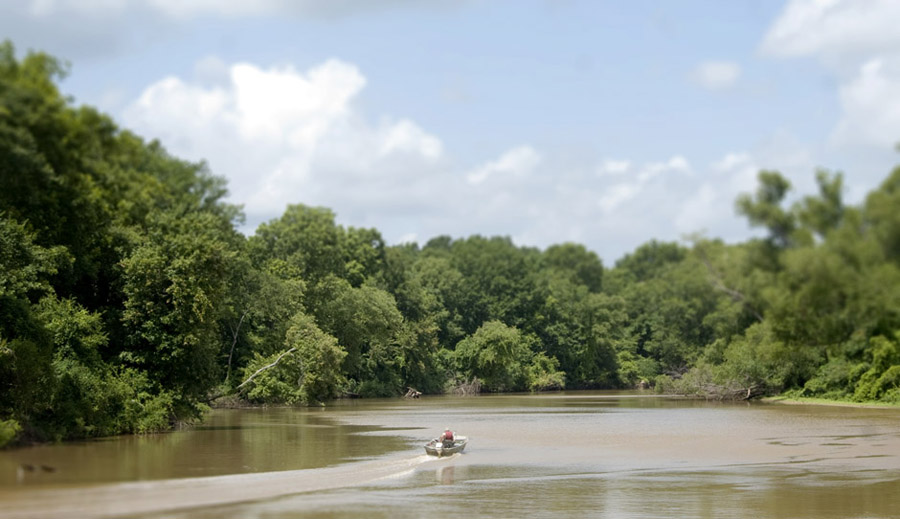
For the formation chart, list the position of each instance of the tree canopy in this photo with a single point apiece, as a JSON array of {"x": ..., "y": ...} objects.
[{"x": 129, "y": 300}]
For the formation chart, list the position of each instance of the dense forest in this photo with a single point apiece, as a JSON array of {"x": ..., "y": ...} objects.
[{"x": 129, "y": 301}]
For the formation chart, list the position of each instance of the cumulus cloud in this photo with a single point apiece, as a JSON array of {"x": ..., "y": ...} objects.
[
  {"x": 859, "y": 44},
  {"x": 870, "y": 105},
  {"x": 707, "y": 206},
  {"x": 612, "y": 206},
  {"x": 614, "y": 167},
  {"x": 281, "y": 135},
  {"x": 284, "y": 135},
  {"x": 833, "y": 28},
  {"x": 739, "y": 170},
  {"x": 707, "y": 203},
  {"x": 716, "y": 75},
  {"x": 695, "y": 215},
  {"x": 617, "y": 194},
  {"x": 518, "y": 161}
]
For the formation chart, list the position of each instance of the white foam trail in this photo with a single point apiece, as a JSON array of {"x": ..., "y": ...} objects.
[{"x": 144, "y": 497}]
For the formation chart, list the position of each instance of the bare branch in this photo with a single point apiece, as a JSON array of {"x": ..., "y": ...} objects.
[
  {"x": 264, "y": 368},
  {"x": 219, "y": 395}
]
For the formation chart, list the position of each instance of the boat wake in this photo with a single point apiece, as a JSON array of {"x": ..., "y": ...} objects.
[{"x": 148, "y": 497}]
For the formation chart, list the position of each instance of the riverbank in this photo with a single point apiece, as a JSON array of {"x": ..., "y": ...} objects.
[
  {"x": 620, "y": 453},
  {"x": 783, "y": 400}
]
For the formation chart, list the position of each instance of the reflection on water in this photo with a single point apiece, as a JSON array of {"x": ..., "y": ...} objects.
[
  {"x": 229, "y": 442},
  {"x": 561, "y": 455}
]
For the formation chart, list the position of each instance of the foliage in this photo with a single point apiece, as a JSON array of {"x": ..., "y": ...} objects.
[
  {"x": 8, "y": 431},
  {"x": 307, "y": 371},
  {"x": 498, "y": 355},
  {"x": 764, "y": 208},
  {"x": 543, "y": 373},
  {"x": 367, "y": 325},
  {"x": 574, "y": 260},
  {"x": 24, "y": 265},
  {"x": 882, "y": 379},
  {"x": 127, "y": 295},
  {"x": 173, "y": 283}
]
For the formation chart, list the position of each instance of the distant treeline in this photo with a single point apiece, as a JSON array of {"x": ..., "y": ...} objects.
[{"x": 129, "y": 300}]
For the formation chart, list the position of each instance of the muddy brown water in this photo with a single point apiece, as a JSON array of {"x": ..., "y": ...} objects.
[{"x": 576, "y": 454}]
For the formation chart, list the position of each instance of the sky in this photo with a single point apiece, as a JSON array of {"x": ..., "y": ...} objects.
[{"x": 601, "y": 122}]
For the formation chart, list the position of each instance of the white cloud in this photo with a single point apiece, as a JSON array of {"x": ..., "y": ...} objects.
[
  {"x": 618, "y": 194},
  {"x": 832, "y": 28},
  {"x": 675, "y": 164},
  {"x": 285, "y": 136},
  {"x": 282, "y": 135},
  {"x": 614, "y": 167},
  {"x": 731, "y": 160},
  {"x": 517, "y": 161},
  {"x": 717, "y": 75},
  {"x": 708, "y": 206},
  {"x": 871, "y": 107},
  {"x": 738, "y": 171},
  {"x": 700, "y": 209},
  {"x": 858, "y": 42},
  {"x": 408, "y": 238},
  {"x": 404, "y": 136}
]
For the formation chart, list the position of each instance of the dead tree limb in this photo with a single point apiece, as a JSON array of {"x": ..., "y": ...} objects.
[
  {"x": 264, "y": 368},
  {"x": 249, "y": 379},
  {"x": 467, "y": 388},
  {"x": 728, "y": 392}
]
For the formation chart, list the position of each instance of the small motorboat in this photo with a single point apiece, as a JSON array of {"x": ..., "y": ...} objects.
[{"x": 437, "y": 448}]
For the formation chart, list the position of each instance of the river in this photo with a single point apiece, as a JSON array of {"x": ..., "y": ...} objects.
[{"x": 575, "y": 454}]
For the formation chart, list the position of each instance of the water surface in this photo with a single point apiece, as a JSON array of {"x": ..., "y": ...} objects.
[{"x": 564, "y": 454}]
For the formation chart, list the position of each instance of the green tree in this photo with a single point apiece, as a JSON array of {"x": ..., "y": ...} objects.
[
  {"x": 880, "y": 213},
  {"x": 764, "y": 209},
  {"x": 367, "y": 325},
  {"x": 308, "y": 370},
  {"x": 573, "y": 259},
  {"x": 581, "y": 331},
  {"x": 497, "y": 354},
  {"x": 648, "y": 261},
  {"x": 174, "y": 284},
  {"x": 25, "y": 350},
  {"x": 881, "y": 381},
  {"x": 499, "y": 281},
  {"x": 305, "y": 239},
  {"x": 820, "y": 214}
]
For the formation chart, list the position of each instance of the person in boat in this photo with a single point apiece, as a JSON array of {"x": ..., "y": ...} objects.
[{"x": 446, "y": 438}]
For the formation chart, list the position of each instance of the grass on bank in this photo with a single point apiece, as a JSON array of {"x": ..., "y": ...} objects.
[{"x": 804, "y": 400}]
